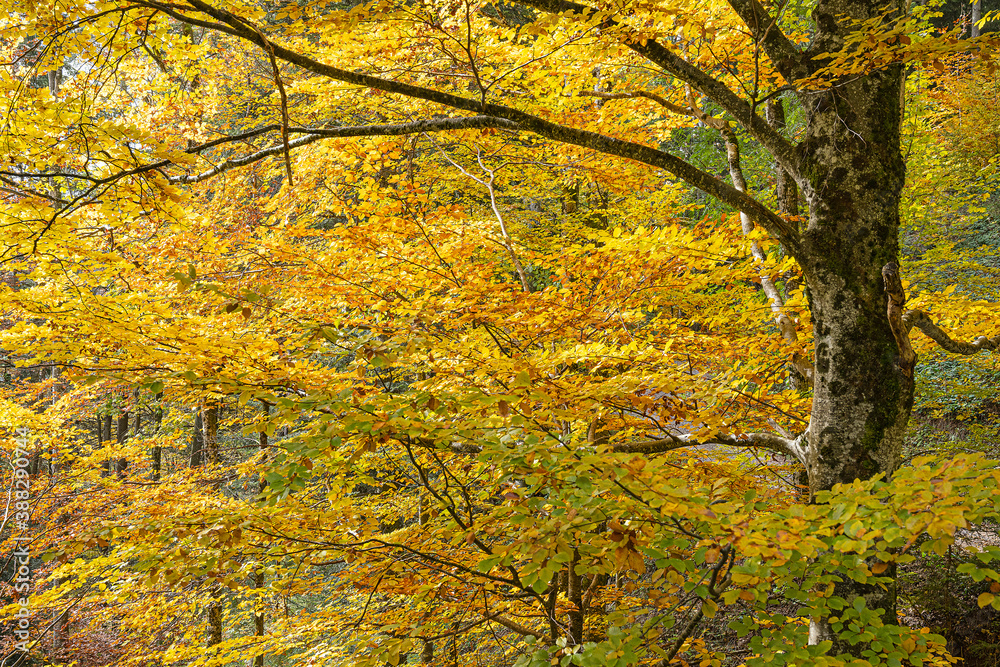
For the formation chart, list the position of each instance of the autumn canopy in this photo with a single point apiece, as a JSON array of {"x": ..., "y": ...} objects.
[{"x": 530, "y": 332}]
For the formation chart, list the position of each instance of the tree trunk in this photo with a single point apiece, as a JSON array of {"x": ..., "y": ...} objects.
[
  {"x": 215, "y": 619},
  {"x": 34, "y": 463},
  {"x": 853, "y": 174},
  {"x": 122, "y": 434},
  {"x": 106, "y": 440},
  {"x": 60, "y": 624},
  {"x": 196, "y": 440},
  {"x": 574, "y": 593},
  {"x": 211, "y": 422},
  {"x": 258, "y": 617},
  {"x": 157, "y": 453}
]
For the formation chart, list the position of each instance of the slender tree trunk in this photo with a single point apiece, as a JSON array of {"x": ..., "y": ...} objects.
[
  {"x": 215, "y": 619},
  {"x": 106, "y": 440},
  {"x": 34, "y": 463},
  {"x": 157, "y": 453},
  {"x": 574, "y": 593},
  {"x": 258, "y": 617},
  {"x": 55, "y": 79},
  {"x": 60, "y": 624},
  {"x": 787, "y": 198},
  {"x": 977, "y": 14},
  {"x": 211, "y": 425},
  {"x": 800, "y": 368},
  {"x": 208, "y": 417},
  {"x": 100, "y": 432},
  {"x": 122, "y": 434},
  {"x": 197, "y": 440}
]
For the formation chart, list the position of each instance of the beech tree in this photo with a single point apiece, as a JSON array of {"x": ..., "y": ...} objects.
[{"x": 541, "y": 86}]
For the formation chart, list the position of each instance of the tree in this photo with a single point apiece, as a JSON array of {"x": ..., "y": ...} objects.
[{"x": 539, "y": 85}]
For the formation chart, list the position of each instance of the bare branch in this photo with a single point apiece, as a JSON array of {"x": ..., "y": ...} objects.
[
  {"x": 508, "y": 242},
  {"x": 453, "y": 447},
  {"x": 716, "y": 587},
  {"x": 901, "y": 323},
  {"x": 315, "y": 134},
  {"x": 197, "y": 148},
  {"x": 670, "y": 106},
  {"x": 281, "y": 93},
  {"x": 922, "y": 321},
  {"x": 23, "y": 191},
  {"x": 802, "y": 368}
]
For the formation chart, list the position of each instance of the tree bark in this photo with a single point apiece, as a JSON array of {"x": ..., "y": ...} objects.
[
  {"x": 157, "y": 453},
  {"x": 574, "y": 593},
  {"x": 210, "y": 422},
  {"x": 786, "y": 192},
  {"x": 60, "y": 624},
  {"x": 215, "y": 619},
  {"x": 258, "y": 617},
  {"x": 121, "y": 431},
  {"x": 211, "y": 425},
  {"x": 197, "y": 440},
  {"x": 852, "y": 173},
  {"x": 105, "y": 438}
]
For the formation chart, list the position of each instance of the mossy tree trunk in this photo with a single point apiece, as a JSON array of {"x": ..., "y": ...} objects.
[{"x": 851, "y": 174}]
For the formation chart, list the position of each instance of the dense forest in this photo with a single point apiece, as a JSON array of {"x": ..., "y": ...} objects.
[{"x": 473, "y": 333}]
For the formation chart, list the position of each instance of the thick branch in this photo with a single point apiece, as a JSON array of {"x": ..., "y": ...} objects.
[
  {"x": 656, "y": 53},
  {"x": 787, "y": 58},
  {"x": 793, "y": 447},
  {"x": 527, "y": 122},
  {"x": 515, "y": 626},
  {"x": 454, "y": 447},
  {"x": 787, "y": 446},
  {"x": 922, "y": 321}
]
